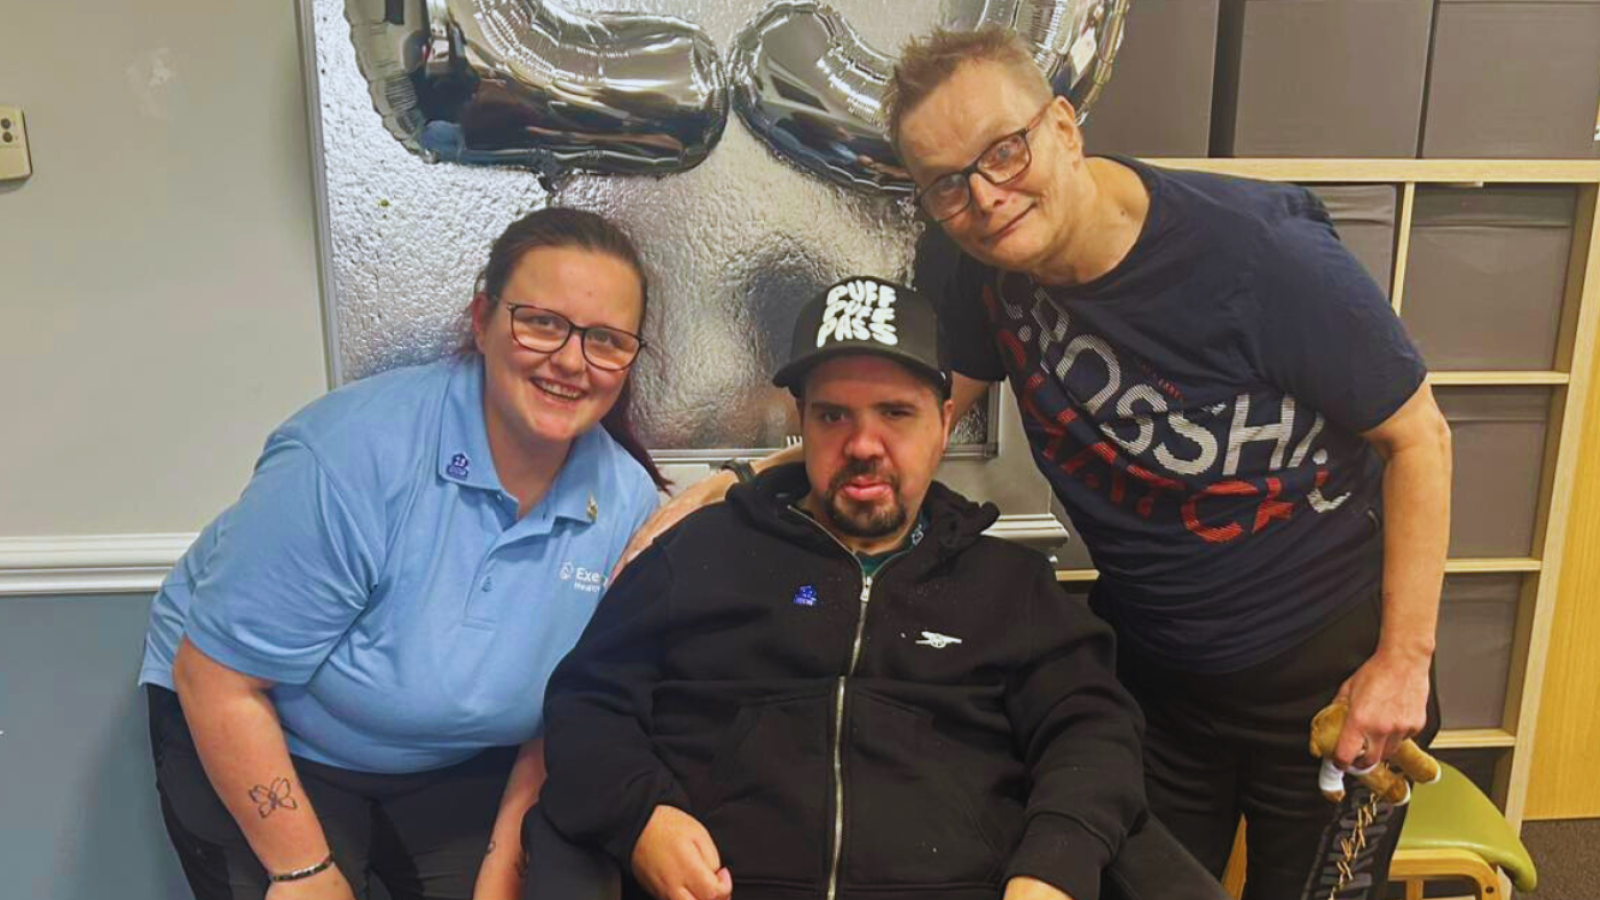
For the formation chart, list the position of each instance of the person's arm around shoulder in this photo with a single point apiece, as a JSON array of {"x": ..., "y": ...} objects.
[
  {"x": 1388, "y": 695},
  {"x": 241, "y": 745},
  {"x": 708, "y": 490},
  {"x": 652, "y": 516},
  {"x": 1079, "y": 733},
  {"x": 966, "y": 391}
]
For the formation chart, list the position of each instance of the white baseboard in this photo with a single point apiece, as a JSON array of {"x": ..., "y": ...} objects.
[
  {"x": 136, "y": 563},
  {"x": 88, "y": 564}
]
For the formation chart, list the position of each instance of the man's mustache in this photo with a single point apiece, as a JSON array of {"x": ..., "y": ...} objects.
[{"x": 858, "y": 468}]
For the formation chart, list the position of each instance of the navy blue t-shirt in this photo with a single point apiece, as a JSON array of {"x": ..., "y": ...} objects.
[{"x": 1198, "y": 412}]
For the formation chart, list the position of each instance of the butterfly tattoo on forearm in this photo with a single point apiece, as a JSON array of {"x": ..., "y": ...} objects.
[{"x": 277, "y": 796}]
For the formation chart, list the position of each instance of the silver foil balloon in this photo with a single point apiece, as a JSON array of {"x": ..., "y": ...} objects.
[
  {"x": 529, "y": 83},
  {"x": 812, "y": 89}
]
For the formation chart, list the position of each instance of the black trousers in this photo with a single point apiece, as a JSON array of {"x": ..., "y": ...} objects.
[
  {"x": 422, "y": 835},
  {"x": 1221, "y": 746},
  {"x": 1151, "y": 866}
]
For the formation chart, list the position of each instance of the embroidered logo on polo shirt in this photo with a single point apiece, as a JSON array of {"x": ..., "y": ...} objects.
[
  {"x": 936, "y": 640},
  {"x": 806, "y": 596},
  {"x": 587, "y": 580},
  {"x": 859, "y": 310},
  {"x": 458, "y": 466}
]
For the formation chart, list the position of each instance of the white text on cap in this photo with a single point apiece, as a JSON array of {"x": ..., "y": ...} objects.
[{"x": 859, "y": 310}]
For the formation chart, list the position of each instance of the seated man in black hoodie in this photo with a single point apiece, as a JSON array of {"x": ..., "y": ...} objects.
[{"x": 834, "y": 685}]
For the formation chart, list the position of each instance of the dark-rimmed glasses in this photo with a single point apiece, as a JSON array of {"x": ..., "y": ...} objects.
[
  {"x": 547, "y": 331},
  {"x": 1004, "y": 160}
]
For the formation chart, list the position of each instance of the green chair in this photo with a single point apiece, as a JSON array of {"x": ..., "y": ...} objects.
[{"x": 1454, "y": 832}]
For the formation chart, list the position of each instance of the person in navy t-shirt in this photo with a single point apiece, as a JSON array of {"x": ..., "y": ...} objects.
[{"x": 1234, "y": 418}]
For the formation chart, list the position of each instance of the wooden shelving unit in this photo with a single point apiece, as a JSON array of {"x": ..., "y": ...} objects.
[{"x": 1511, "y": 743}]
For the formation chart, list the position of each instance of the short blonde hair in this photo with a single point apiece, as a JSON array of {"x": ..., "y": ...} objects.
[{"x": 928, "y": 62}]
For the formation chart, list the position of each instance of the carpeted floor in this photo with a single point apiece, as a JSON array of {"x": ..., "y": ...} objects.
[{"x": 1568, "y": 857}]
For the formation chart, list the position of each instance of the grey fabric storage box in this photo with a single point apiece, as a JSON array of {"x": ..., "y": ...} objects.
[
  {"x": 1477, "y": 621},
  {"x": 1364, "y": 214},
  {"x": 1498, "y": 434},
  {"x": 1320, "y": 77},
  {"x": 1486, "y": 275},
  {"x": 1514, "y": 78},
  {"x": 1158, "y": 101}
]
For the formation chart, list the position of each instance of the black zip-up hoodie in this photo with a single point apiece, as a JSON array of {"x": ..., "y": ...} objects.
[{"x": 984, "y": 735}]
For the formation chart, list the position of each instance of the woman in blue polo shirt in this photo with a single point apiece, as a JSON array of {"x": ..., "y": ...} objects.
[{"x": 360, "y": 644}]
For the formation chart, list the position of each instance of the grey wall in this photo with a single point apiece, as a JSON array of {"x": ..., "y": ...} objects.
[
  {"x": 159, "y": 301},
  {"x": 78, "y": 815},
  {"x": 160, "y": 311}
]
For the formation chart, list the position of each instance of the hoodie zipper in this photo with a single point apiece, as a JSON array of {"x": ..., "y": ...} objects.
[
  {"x": 838, "y": 704},
  {"x": 838, "y": 738}
]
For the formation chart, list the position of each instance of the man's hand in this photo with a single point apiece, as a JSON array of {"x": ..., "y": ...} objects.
[
  {"x": 1388, "y": 699},
  {"x": 329, "y": 884},
  {"x": 675, "y": 859},
  {"x": 1024, "y": 888},
  {"x": 708, "y": 490}
]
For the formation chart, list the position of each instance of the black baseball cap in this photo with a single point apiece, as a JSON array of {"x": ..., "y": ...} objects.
[{"x": 863, "y": 314}]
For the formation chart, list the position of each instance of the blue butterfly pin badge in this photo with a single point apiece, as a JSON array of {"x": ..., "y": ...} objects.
[
  {"x": 806, "y": 596},
  {"x": 458, "y": 466}
]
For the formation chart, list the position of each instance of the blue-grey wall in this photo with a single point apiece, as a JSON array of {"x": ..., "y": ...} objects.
[{"x": 78, "y": 810}]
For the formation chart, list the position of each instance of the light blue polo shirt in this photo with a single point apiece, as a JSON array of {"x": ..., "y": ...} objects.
[{"x": 375, "y": 569}]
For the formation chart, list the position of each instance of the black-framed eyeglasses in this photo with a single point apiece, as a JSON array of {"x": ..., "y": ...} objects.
[
  {"x": 547, "y": 331},
  {"x": 1004, "y": 160}
]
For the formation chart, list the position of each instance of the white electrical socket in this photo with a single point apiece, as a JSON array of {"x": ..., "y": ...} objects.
[{"x": 14, "y": 161}]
